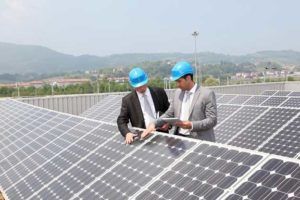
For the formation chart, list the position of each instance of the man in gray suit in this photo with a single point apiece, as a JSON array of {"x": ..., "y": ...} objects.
[{"x": 195, "y": 106}]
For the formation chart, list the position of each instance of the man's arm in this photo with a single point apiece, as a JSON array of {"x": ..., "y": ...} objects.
[
  {"x": 165, "y": 100},
  {"x": 211, "y": 115},
  {"x": 123, "y": 119},
  {"x": 158, "y": 122}
]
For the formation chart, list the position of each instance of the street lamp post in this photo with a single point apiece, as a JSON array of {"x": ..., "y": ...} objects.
[
  {"x": 195, "y": 34},
  {"x": 18, "y": 88},
  {"x": 52, "y": 87}
]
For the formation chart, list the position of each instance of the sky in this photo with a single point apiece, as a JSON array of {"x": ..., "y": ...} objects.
[{"x": 106, "y": 27}]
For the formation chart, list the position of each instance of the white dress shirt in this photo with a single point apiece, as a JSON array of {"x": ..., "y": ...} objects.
[
  {"x": 185, "y": 108},
  {"x": 147, "y": 117}
]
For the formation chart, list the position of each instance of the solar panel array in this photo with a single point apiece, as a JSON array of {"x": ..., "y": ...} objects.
[
  {"x": 68, "y": 157},
  {"x": 106, "y": 110},
  {"x": 264, "y": 123},
  {"x": 248, "y": 121}
]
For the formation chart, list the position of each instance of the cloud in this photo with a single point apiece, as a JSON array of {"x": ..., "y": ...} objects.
[{"x": 16, "y": 11}]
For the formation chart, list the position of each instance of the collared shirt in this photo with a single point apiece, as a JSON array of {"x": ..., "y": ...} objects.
[
  {"x": 148, "y": 119},
  {"x": 185, "y": 108}
]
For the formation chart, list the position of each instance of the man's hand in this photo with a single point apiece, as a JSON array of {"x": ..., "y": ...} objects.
[
  {"x": 150, "y": 129},
  {"x": 184, "y": 124},
  {"x": 165, "y": 127},
  {"x": 129, "y": 138}
]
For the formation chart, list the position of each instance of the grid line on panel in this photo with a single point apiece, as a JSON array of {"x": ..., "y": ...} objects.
[
  {"x": 111, "y": 114},
  {"x": 166, "y": 169},
  {"x": 278, "y": 131},
  {"x": 224, "y": 111},
  {"x": 240, "y": 99},
  {"x": 33, "y": 196},
  {"x": 237, "y": 122},
  {"x": 269, "y": 92},
  {"x": 263, "y": 128},
  {"x": 294, "y": 94},
  {"x": 107, "y": 170},
  {"x": 252, "y": 122},
  {"x": 278, "y": 178},
  {"x": 262, "y": 162},
  {"x": 28, "y": 144},
  {"x": 264, "y": 101},
  {"x": 20, "y": 138},
  {"x": 226, "y": 98},
  {"x": 274, "y": 101},
  {"x": 8, "y": 149},
  {"x": 205, "y": 173},
  {"x": 28, "y": 147},
  {"x": 103, "y": 108},
  {"x": 255, "y": 100},
  {"x": 226, "y": 117},
  {"x": 20, "y": 124},
  {"x": 287, "y": 98},
  {"x": 58, "y": 157},
  {"x": 122, "y": 181},
  {"x": 30, "y": 162},
  {"x": 282, "y": 93},
  {"x": 218, "y": 96},
  {"x": 286, "y": 142},
  {"x": 293, "y": 102}
]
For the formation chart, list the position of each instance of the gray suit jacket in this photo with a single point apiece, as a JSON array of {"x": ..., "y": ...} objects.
[{"x": 203, "y": 113}]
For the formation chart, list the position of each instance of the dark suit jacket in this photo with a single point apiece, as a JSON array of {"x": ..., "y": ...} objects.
[{"x": 131, "y": 109}]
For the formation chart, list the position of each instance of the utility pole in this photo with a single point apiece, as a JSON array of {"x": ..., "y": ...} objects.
[
  {"x": 18, "y": 88},
  {"x": 195, "y": 34}
]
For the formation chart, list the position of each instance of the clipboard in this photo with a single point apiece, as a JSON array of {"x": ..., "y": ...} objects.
[{"x": 171, "y": 121}]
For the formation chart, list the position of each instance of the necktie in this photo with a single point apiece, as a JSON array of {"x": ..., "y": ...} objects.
[
  {"x": 147, "y": 107},
  {"x": 184, "y": 116},
  {"x": 186, "y": 106}
]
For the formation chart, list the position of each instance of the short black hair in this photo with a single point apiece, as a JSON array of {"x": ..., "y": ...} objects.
[{"x": 191, "y": 75}]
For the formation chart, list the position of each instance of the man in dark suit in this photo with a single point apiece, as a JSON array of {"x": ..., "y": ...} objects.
[
  {"x": 142, "y": 106},
  {"x": 194, "y": 105}
]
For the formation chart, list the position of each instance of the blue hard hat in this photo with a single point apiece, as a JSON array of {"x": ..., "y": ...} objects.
[
  {"x": 137, "y": 77},
  {"x": 180, "y": 69}
]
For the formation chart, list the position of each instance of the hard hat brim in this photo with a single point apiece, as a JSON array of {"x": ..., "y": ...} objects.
[
  {"x": 174, "y": 78},
  {"x": 139, "y": 84}
]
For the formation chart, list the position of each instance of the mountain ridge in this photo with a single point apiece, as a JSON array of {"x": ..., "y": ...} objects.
[{"x": 16, "y": 58}]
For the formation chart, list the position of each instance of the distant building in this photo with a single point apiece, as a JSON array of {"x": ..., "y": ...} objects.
[{"x": 41, "y": 83}]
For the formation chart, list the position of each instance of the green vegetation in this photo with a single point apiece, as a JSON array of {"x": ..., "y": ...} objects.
[{"x": 107, "y": 86}]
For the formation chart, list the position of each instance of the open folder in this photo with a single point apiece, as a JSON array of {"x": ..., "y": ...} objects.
[{"x": 171, "y": 121}]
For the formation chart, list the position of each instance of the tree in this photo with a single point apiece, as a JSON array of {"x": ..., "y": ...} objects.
[{"x": 210, "y": 81}]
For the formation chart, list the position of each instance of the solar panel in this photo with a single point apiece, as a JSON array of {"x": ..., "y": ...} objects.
[
  {"x": 263, "y": 128},
  {"x": 106, "y": 110},
  {"x": 226, "y": 98},
  {"x": 274, "y": 101},
  {"x": 292, "y": 102},
  {"x": 136, "y": 170},
  {"x": 269, "y": 92},
  {"x": 237, "y": 122},
  {"x": 218, "y": 96},
  {"x": 204, "y": 173},
  {"x": 240, "y": 99},
  {"x": 286, "y": 142},
  {"x": 104, "y": 150},
  {"x": 226, "y": 110},
  {"x": 49, "y": 155},
  {"x": 294, "y": 94},
  {"x": 256, "y": 100},
  {"x": 282, "y": 93},
  {"x": 276, "y": 179}
]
